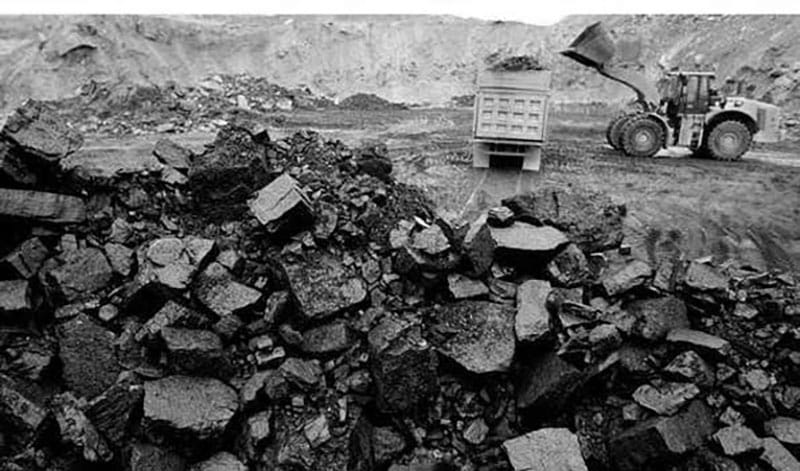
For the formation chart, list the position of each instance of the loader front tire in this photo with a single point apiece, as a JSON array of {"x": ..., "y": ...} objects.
[
  {"x": 642, "y": 136},
  {"x": 728, "y": 140}
]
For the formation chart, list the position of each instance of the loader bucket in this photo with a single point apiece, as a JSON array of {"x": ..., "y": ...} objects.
[{"x": 592, "y": 48}]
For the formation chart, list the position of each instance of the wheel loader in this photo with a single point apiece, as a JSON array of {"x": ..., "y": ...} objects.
[{"x": 687, "y": 111}]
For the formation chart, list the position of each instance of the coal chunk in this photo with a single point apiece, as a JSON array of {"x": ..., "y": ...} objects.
[
  {"x": 188, "y": 413},
  {"x": 19, "y": 415},
  {"x": 569, "y": 267},
  {"x": 323, "y": 287},
  {"x": 15, "y": 297},
  {"x": 15, "y": 170},
  {"x": 547, "y": 448},
  {"x": 462, "y": 287},
  {"x": 662, "y": 438},
  {"x": 216, "y": 289},
  {"x": 222, "y": 461},
  {"x": 37, "y": 130},
  {"x": 26, "y": 259},
  {"x": 515, "y": 64},
  {"x": 785, "y": 429},
  {"x": 373, "y": 447},
  {"x": 691, "y": 367},
  {"x": 282, "y": 204},
  {"x": 224, "y": 177},
  {"x": 87, "y": 354},
  {"x": 195, "y": 351},
  {"x": 702, "y": 277},
  {"x": 737, "y": 439},
  {"x": 255, "y": 435},
  {"x": 590, "y": 219},
  {"x": 778, "y": 457},
  {"x": 547, "y": 382},
  {"x": 655, "y": 318},
  {"x": 77, "y": 431},
  {"x": 172, "y": 262},
  {"x": 172, "y": 154},
  {"x": 526, "y": 238},
  {"x": 403, "y": 365},
  {"x": 700, "y": 340},
  {"x": 171, "y": 314},
  {"x": 532, "y": 322},
  {"x": 665, "y": 398},
  {"x": 306, "y": 374},
  {"x": 479, "y": 247},
  {"x": 626, "y": 277},
  {"x": 329, "y": 338},
  {"x": 85, "y": 272},
  {"x": 41, "y": 206},
  {"x": 480, "y": 335},
  {"x": 147, "y": 457},
  {"x": 113, "y": 412}
]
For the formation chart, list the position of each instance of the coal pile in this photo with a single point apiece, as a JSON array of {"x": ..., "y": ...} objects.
[
  {"x": 123, "y": 109},
  {"x": 369, "y": 102},
  {"x": 330, "y": 318},
  {"x": 515, "y": 64}
]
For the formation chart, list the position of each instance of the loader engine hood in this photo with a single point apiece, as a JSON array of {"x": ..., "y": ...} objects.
[{"x": 765, "y": 117}]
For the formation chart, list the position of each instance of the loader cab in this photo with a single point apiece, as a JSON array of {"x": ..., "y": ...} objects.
[{"x": 688, "y": 93}]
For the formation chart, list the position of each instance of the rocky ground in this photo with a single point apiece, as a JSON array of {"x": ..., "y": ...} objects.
[
  {"x": 286, "y": 304},
  {"x": 172, "y": 108}
]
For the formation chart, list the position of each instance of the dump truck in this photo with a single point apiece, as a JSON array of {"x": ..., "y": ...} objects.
[
  {"x": 687, "y": 111},
  {"x": 510, "y": 120}
]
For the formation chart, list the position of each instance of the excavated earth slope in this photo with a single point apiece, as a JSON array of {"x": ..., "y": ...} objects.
[{"x": 414, "y": 59}]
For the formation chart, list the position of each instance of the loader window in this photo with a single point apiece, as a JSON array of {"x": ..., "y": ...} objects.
[
  {"x": 696, "y": 94},
  {"x": 692, "y": 94}
]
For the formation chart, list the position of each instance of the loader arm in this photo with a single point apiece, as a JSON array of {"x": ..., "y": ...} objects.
[
  {"x": 594, "y": 48},
  {"x": 646, "y": 95}
]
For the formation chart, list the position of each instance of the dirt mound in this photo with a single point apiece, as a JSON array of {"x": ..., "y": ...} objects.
[
  {"x": 136, "y": 109},
  {"x": 369, "y": 101}
]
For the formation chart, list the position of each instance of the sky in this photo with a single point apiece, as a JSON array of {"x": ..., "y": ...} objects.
[{"x": 528, "y": 11}]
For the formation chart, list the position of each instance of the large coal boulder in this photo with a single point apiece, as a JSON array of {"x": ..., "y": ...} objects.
[
  {"x": 323, "y": 287},
  {"x": 85, "y": 271},
  {"x": 662, "y": 438},
  {"x": 547, "y": 382},
  {"x": 36, "y": 130},
  {"x": 478, "y": 335},
  {"x": 223, "y": 178},
  {"x": 372, "y": 446},
  {"x": 403, "y": 365},
  {"x": 190, "y": 414},
  {"x": 547, "y": 448},
  {"x": 87, "y": 355},
  {"x": 590, "y": 219}
]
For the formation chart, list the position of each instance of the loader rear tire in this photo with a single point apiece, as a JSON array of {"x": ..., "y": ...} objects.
[
  {"x": 642, "y": 136},
  {"x": 728, "y": 140},
  {"x": 614, "y": 130}
]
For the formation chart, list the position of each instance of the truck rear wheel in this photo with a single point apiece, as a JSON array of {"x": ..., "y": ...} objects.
[
  {"x": 642, "y": 136},
  {"x": 728, "y": 140},
  {"x": 614, "y": 130}
]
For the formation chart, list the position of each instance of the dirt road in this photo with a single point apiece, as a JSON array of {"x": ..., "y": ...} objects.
[{"x": 749, "y": 210}]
